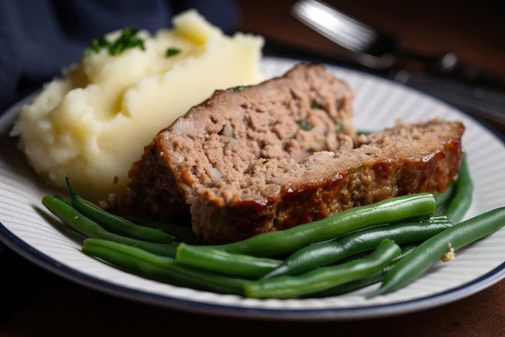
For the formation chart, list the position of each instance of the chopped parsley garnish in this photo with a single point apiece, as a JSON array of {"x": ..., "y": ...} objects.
[
  {"x": 96, "y": 45},
  {"x": 304, "y": 124},
  {"x": 316, "y": 105},
  {"x": 172, "y": 52},
  {"x": 126, "y": 40}
]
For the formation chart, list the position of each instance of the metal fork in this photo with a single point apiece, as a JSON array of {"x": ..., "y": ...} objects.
[
  {"x": 338, "y": 27},
  {"x": 455, "y": 82},
  {"x": 379, "y": 50}
]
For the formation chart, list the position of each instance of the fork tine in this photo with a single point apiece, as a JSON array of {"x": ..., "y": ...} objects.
[
  {"x": 356, "y": 28},
  {"x": 348, "y": 20},
  {"x": 322, "y": 22},
  {"x": 360, "y": 29},
  {"x": 335, "y": 25}
]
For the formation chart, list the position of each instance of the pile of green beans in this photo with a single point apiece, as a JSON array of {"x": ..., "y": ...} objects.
[
  {"x": 326, "y": 277},
  {"x": 321, "y": 258},
  {"x": 141, "y": 262},
  {"x": 312, "y": 256},
  {"x": 324, "y": 253},
  {"x": 363, "y": 282},
  {"x": 90, "y": 229}
]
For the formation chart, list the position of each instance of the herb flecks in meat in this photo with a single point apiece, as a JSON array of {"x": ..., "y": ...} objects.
[
  {"x": 339, "y": 127},
  {"x": 304, "y": 124}
]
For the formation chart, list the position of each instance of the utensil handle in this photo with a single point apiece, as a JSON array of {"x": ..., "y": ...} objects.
[
  {"x": 448, "y": 65},
  {"x": 481, "y": 102}
]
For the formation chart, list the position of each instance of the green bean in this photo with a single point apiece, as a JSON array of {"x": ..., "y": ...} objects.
[
  {"x": 345, "y": 288},
  {"x": 324, "y": 278},
  {"x": 443, "y": 198},
  {"x": 68, "y": 215},
  {"x": 363, "y": 282},
  {"x": 114, "y": 223},
  {"x": 289, "y": 240},
  {"x": 435, "y": 248},
  {"x": 325, "y": 253},
  {"x": 63, "y": 198},
  {"x": 182, "y": 232},
  {"x": 146, "y": 264},
  {"x": 225, "y": 263},
  {"x": 462, "y": 197}
]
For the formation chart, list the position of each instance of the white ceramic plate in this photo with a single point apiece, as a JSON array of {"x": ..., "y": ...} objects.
[{"x": 378, "y": 104}]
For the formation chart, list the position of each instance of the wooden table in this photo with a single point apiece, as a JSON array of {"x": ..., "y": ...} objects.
[{"x": 35, "y": 302}]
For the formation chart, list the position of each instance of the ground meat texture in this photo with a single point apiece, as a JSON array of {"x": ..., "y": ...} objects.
[
  {"x": 394, "y": 162},
  {"x": 269, "y": 157},
  {"x": 289, "y": 117}
]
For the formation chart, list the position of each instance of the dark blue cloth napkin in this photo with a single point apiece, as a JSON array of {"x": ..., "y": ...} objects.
[{"x": 39, "y": 37}]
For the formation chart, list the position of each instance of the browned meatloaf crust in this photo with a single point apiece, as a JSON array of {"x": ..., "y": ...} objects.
[
  {"x": 226, "y": 133},
  {"x": 251, "y": 161}
]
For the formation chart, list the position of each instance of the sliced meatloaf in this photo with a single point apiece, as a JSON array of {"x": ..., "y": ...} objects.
[
  {"x": 272, "y": 156},
  {"x": 305, "y": 111}
]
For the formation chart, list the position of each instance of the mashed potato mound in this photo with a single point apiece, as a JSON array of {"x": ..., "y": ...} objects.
[{"x": 93, "y": 122}]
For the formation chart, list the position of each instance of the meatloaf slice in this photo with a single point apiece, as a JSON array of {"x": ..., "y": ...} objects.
[
  {"x": 252, "y": 161},
  {"x": 277, "y": 194},
  {"x": 305, "y": 111}
]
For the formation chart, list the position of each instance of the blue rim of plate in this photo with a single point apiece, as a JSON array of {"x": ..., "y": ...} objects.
[{"x": 380, "y": 310}]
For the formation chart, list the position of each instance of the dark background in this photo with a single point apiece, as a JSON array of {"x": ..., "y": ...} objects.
[
  {"x": 34, "y": 302},
  {"x": 474, "y": 30}
]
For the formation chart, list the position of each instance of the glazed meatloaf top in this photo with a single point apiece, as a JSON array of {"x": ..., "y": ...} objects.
[
  {"x": 255, "y": 159},
  {"x": 264, "y": 179},
  {"x": 279, "y": 194},
  {"x": 217, "y": 147}
]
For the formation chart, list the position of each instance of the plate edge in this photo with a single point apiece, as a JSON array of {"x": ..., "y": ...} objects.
[{"x": 350, "y": 313}]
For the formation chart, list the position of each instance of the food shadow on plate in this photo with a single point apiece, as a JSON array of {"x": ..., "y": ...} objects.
[
  {"x": 60, "y": 226},
  {"x": 17, "y": 167}
]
